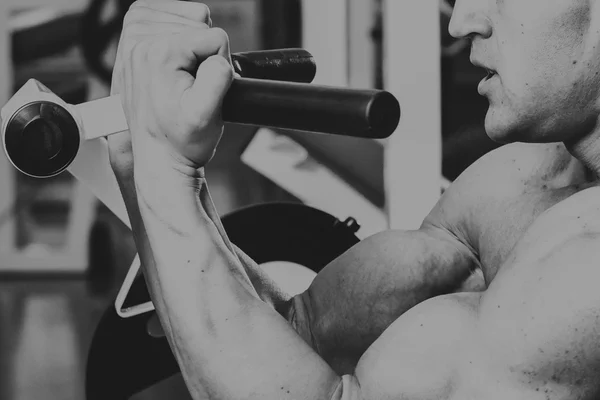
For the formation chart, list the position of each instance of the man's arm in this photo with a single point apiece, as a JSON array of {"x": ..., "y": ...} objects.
[
  {"x": 228, "y": 343},
  {"x": 353, "y": 300},
  {"x": 220, "y": 329},
  {"x": 358, "y": 295}
]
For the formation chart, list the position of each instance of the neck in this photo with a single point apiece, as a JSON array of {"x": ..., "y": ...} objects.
[{"x": 587, "y": 150}]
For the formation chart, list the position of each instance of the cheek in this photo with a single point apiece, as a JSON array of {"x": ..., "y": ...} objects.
[
  {"x": 546, "y": 74},
  {"x": 527, "y": 99},
  {"x": 541, "y": 51},
  {"x": 548, "y": 64},
  {"x": 537, "y": 66}
]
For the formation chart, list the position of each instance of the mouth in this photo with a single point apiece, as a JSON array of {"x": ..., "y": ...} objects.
[
  {"x": 490, "y": 73},
  {"x": 483, "y": 87}
]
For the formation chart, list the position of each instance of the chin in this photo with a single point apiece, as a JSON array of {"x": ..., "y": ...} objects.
[
  {"x": 499, "y": 129},
  {"x": 505, "y": 127}
]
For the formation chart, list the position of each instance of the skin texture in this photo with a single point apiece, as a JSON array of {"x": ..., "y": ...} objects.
[
  {"x": 408, "y": 307},
  {"x": 547, "y": 58}
]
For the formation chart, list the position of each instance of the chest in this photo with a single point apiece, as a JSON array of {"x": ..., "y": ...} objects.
[
  {"x": 536, "y": 213},
  {"x": 576, "y": 216},
  {"x": 539, "y": 317}
]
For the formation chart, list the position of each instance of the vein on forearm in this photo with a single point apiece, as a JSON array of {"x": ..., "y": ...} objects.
[
  {"x": 219, "y": 327},
  {"x": 164, "y": 221},
  {"x": 185, "y": 229}
]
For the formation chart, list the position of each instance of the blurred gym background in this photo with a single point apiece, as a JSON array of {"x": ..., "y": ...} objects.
[{"x": 63, "y": 254}]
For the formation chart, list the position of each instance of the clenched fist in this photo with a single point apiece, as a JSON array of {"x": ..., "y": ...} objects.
[{"x": 172, "y": 72}]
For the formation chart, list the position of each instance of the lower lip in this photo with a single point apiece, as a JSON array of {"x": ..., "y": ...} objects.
[{"x": 485, "y": 83}]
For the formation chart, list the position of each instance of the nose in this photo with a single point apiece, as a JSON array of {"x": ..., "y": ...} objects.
[{"x": 469, "y": 19}]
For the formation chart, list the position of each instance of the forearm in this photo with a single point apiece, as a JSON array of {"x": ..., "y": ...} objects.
[
  {"x": 229, "y": 343},
  {"x": 266, "y": 288}
]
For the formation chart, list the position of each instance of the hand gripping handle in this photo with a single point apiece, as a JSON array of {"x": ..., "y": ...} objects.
[{"x": 42, "y": 134}]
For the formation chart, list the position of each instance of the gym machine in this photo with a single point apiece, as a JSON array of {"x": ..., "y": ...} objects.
[{"x": 38, "y": 39}]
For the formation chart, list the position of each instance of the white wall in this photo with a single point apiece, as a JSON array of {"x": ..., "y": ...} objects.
[
  {"x": 325, "y": 36},
  {"x": 413, "y": 74}
]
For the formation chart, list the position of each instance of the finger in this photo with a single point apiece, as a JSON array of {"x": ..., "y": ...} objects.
[
  {"x": 205, "y": 97},
  {"x": 147, "y": 17},
  {"x": 189, "y": 48},
  {"x": 190, "y": 10},
  {"x": 149, "y": 29},
  {"x": 144, "y": 29},
  {"x": 215, "y": 73}
]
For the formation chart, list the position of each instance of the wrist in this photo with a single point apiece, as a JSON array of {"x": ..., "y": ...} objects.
[
  {"x": 168, "y": 191},
  {"x": 156, "y": 164}
]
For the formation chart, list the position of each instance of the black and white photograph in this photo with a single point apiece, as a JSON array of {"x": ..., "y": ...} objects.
[{"x": 300, "y": 200}]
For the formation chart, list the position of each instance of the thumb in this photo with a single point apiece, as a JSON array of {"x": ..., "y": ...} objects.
[{"x": 213, "y": 79}]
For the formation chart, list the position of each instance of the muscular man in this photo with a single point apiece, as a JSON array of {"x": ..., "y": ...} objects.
[{"x": 527, "y": 216}]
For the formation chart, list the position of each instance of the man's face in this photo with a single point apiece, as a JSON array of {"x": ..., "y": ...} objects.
[{"x": 546, "y": 55}]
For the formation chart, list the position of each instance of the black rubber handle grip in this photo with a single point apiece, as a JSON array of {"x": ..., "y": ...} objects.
[
  {"x": 290, "y": 65},
  {"x": 371, "y": 114}
]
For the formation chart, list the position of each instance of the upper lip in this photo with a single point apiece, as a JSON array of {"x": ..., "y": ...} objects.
[{"x": 480, "y": 64}]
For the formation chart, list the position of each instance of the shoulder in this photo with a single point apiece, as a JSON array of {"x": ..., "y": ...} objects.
[
  {"x": 505, "y": 175},
  {"x": 563, "y": 242},
  {"x": 513, "y": 167},
  {"x": 528, "y": 164}
]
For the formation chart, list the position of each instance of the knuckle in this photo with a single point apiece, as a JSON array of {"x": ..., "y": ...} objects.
[
  {"x": 202, "y": 13},
  {"x": 128, "y": 19},
  {"x": 132, "y": 17},
  {"x": 124, "y": 51},
  {"x": 135, "y": 7},
  {"x": 159, "y": 52},
  {"x": 220, "y": 35},
  {"x": 130, "y": 46},
  {"x": 138, "y": 4},
  {"x": 219, "y": 32},
  {"x": 130, "y": 29},
  {"x": 206, "y": 15},
  {"x": 138, "y": 53},
  {"x": 222, "y": 65}
]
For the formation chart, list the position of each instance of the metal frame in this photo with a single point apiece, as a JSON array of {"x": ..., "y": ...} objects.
[
  {"x": 72, "y": 258},
  {"x": 412, "y": 72},
  {"x": 293, "y": 168},
  {"x": 326, "y": 34},
  {"x": 412, "y": 155}
]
